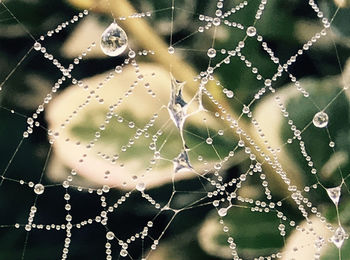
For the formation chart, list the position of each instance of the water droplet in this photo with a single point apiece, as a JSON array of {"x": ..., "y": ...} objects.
[
  {"x": 222, "y": 212},
  {"x": 177, "y": 107},
  {"x": 141, "y": 186},
  {"x": 251, "y": 31},
  {"x": 131, "y": 54},
  {"x": 229, "y": 94},
  {"x": 209, "y": 140},
  {"x": 268, "y": 82},
  {"x": 39, "y": 188},
  {"x": 118, "y": 69},
  {"x": 114, "y": 40},
  {"x": 216, "y": 21},
  {"x": 245, "y": 109},
  {"x": 338, "y": 237},
  {"x": 131, "y": 124},
  {"x": 334, "y": 194},
  {"x": 320, "y": 119},
  {"x": 211, "y": 53},
  {"x": 110, "y": 235},
  {"x": 171, "y": 50},
  {"x": 182, "y": 163},
  {"x": 123, "y": 253},
  {"x": 37, "y": 46}
]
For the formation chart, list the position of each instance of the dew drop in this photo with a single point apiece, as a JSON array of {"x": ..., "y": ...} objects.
[
  {"x": 320, "y": 119},
  {"x": 339, "y": 237},
  {"x": 177, "y": 107},
  {"x": 110, "y": 235},
  {"x": 251, "y": 31},
  {"x": 131, "y": 54},
  {"x": 182, "y": 163},
  {"x": 131, "y": 124},
  {"x": 229, "y": 94},
  {"x": 141, "y": 186},
  {"x": 209, "y": 140},
  {"x": 39, "y": 188},
  {"x": 37, "y": 46},
  {"x": 171, "y": 50},
  {"x": 123, "y": 253},
  {"x": 118, "y": 69},
  {"x": 245, "y": 109},
  {"x": 222, "y": 212},
  {"x": 334, "y": 194},
  {"x": 211, "y": 53},
  {"x": 114, "y": 40}
]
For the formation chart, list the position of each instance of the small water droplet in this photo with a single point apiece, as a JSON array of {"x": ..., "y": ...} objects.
[
  {"x": 229, "y": 94},
  {"x": 251, "y": 31},
  {"x": 123, "y": 253},
  {"x": 334, "y": 194},
  {"x": 245, "y": 109},
  {"x": 37, "y": 46},
  {"x": 211, "y": 53},
  {"x": 141, "y": 186},
  {"x": 114, "y": 40},
  {"x": 222, "y": 212},
  {"x": 131, "y": 54},
  {"x": 171, "y": 50},
  {"x": 110, "y": 235},
  {"x": 39, "y": 188},
  {"x": 182, "y": 163},
  {"x": 118, "y": 69},
  {"x": 320, "y": 119},
  {"x": 209, "y": 140},
  {"x": 131, "y": 124}
]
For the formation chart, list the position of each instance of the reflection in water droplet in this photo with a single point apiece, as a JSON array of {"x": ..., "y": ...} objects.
[
  {"x": 334, "y": 194},
  {"x": 182, "y": 163},
  {"x": 114, "y": 40}
]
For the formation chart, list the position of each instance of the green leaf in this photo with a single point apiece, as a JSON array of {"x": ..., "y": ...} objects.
[{"x": 255, "y": 233}]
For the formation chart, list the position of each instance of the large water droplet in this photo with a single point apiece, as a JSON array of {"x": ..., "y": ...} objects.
[
  {"x": 338, "y": 237},
  {"x": 114, "y": 40},
  {"x": 182, "y": 163},
  {"x": 320, "y": 119},
  {"x": 177, "y": 107},
  {"x": 334, "y": 194}
]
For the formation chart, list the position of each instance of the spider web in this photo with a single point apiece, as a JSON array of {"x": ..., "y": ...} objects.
[{"x": 146, "y": 125}]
